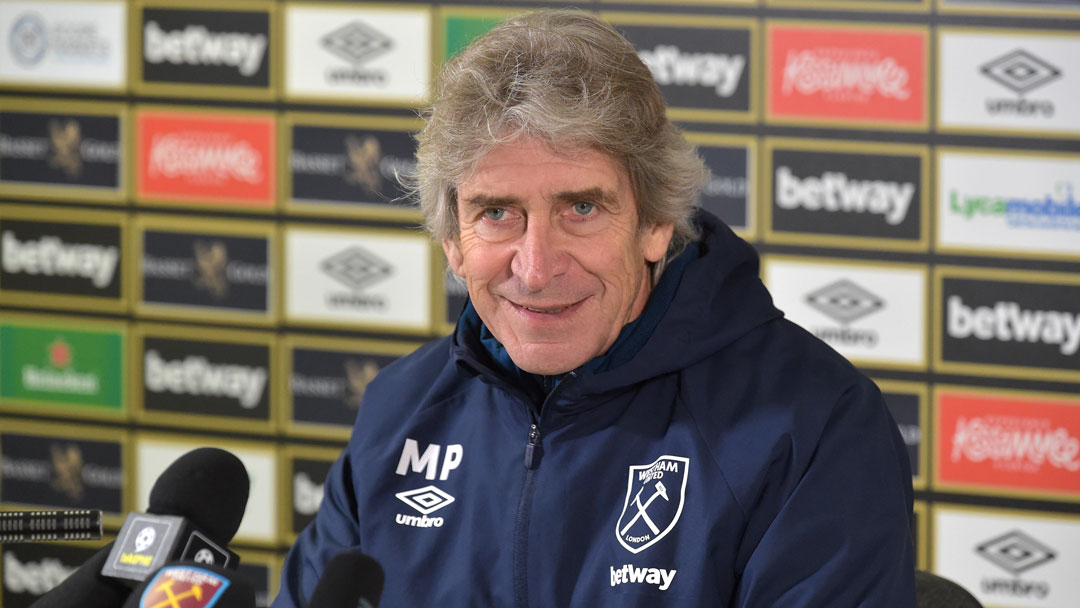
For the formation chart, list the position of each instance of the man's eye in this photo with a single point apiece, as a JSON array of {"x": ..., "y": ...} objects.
[
  {"x": 583, "y": 208},
  {"x": 495, "y": 214}
]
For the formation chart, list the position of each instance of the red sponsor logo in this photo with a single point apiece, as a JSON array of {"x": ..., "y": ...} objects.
[
  {"x": 847, "y": 75},
  {"x": 1009, "y": 442},
  {"x": 183, "y": 587},
  {"x": 205, "y": 158}
]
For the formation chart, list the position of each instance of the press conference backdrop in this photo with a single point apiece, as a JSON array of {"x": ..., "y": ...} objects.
[{"x": 204, "y": 243}]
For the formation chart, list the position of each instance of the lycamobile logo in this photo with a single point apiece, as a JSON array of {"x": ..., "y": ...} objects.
[
  {"x": 60, "y": 365},
  {"x": 1008, "y": 322},
  {"x": 1056, "y": 210}
]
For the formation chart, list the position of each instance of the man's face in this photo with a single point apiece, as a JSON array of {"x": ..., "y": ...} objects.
[{"x": 551, "y": 252}]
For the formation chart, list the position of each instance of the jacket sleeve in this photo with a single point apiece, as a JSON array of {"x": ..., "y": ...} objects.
[
  {"x": 841, "y": 538},
  {"x": 334, "y": 530}
]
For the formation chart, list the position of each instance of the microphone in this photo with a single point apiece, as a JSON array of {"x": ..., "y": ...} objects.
[
  {"x": 205, "y": 585},
  {"x": 37, "y": 526},
  {"x": 352, "y": 580},
  {"x": 196, "y": 506},
  {"x": 207, "y": 486}
]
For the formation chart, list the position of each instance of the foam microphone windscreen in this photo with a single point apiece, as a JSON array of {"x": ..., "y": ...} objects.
[
  {"x": 208, "y": 486},
  {"x": 189, "y": 584},
  {"x": 350, "y": 580},
  {"x": 86, "y": 588}
]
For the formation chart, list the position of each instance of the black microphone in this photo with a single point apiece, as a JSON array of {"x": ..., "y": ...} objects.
[
  {"x": 37, "y": 526},
  {"x": 350, "y": 580},
  {"x": 206, "y": 585},
  {"x": 207, "y": 486},
  {"x": 195, "y": 509}
]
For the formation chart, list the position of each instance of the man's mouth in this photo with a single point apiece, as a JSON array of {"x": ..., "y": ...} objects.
[{"x": 545, "y": 311}]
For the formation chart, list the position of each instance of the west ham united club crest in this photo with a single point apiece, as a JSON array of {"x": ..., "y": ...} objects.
[{"x": 654, "y": 502}]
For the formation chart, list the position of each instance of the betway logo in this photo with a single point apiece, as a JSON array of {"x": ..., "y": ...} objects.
[
  {"x": 1007, "y": 322},
  {"x": 649, "y": 576},
  {"x": 196, "y": 376},
  {"x": 844, "y": 72},
  {"x": 205, "y": 157},
  {"x": 670, "y": 66},
  {"x": 51, "y": 256},
  {"x": 195, "y": 45},
  {"x": 1015, "y": 443},
  {"x": 35, "y": 578},
  {"x": 835, "y": 192}
]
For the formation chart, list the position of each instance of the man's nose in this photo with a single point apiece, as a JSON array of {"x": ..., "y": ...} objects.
[{"x": 540, "y": 255}]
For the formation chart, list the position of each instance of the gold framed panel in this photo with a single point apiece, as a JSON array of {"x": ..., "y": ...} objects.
[
  {"x": 80, "y": 433},
  {"x": 76, "y": 194},
  {"x": 199, "y": 421},
  {"x": 65, "y": 301},
  {"x": 869, "y": 243},
  {"x": 210, "y": 226}
]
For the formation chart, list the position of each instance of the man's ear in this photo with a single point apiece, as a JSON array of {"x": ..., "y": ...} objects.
[
  {"x": 654, "y": 243},
  {"x": 452, "y": 249}
]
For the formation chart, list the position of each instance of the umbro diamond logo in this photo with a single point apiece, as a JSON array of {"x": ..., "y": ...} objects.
[
  {"x": 357, "y": 268},
  {"x": 844, "y": 301},
  {"x": 1020, "y": 71},
  {"x": 357, "y": 42},
  {"x": 426, "y": 500},
  {"x": 1016, "y": 552}
]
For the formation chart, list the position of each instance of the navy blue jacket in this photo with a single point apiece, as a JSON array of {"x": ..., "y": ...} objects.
[{"x": 734, "y": 460}]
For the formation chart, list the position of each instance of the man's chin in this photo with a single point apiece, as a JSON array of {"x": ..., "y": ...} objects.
[{"x": 546, "y": 359}]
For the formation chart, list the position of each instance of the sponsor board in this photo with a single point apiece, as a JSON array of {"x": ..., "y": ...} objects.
[
  {"x": 850, "y": 76},
  {"x": 30, "y": 570},
  {"x": 911, "y": 6},
  {"x": 1025, "y": 8},
  {"x": 207, "y": 48},
  {"x": 836, "y": 194},
  {"x": 1014, "y": 443},
  {"x": 921, "y": 532},
  {"x": 73, "y": 151},
  {"x": 706, "y": 67},
  {"x": 1008, "y": 558},
  {"x": 220, "y": 159},
  {"x": 873, "y": 314},
  {"x": 303, "y": 472},
  {"x": 693, "y": 2},
  {"x": 154, "y": 452},
  {"x": 323, "y": 381},
  {"x": 204, "y": 378},
  {"x": 379, "y": 279},
  {"x": 458, "y": 26},
  {"x": 992, "y": 202},
  {"x": 909, "y": 406},
  {"x": 262, "y": 570},
  {"x": 63, "y": 366},
  {"x": 729, "y": 193},
  {"x": 1008, "y": 81},
  {"x": 995, "y": 322},
  {"x": 346, "y": 54},
  {"x": 43, "y": 466},
  {"x": 67, "y": 45},
  {"x": 78, "y": 263},
  {"x": 348, "y": 166},
  {"x": 204, "y": 270}
]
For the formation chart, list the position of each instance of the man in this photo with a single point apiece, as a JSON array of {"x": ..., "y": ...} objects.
[{"x": 621, "y": 417}]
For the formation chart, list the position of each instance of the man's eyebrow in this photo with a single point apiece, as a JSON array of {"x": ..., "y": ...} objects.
[
  {"x": 597, "y": 194},
  {"x": 486, "y": 201}
]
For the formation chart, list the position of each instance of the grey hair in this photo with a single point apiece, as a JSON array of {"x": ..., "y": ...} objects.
[{"x": 567, "y": 78}]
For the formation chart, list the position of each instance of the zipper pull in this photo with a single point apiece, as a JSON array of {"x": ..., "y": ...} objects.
[{"x": 531, "y": 455}]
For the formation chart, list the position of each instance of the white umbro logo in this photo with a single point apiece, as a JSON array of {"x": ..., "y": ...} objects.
[{"x": 425, "y": 500}]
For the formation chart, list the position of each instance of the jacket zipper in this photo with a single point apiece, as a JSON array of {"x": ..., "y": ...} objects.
[{"x": 521, "y": 522}]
